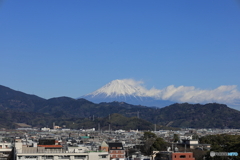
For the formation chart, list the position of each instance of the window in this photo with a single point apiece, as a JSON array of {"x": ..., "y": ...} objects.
[
  {"x": 79, "y": 157},
  {"x": 103, "y": 156},
  {"x": 47, "y": 157},
  {"x": 63, "y": 157},
  {"x": 182, "y": 156},
  {"x": 30, "y": 157}
]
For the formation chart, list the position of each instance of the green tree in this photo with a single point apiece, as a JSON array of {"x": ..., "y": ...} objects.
[
  {"x": 148, "y": 135},
  {"x": 152, "y": 143},
  {"x": 222, "y": 143},
  {"x": 147, "y": 147},
  {"x": 159, "y": 145},
  {"x": 149, "y": 139},
  {"x": 175, "y": 138},
  {"x": 195, "y": 136}
]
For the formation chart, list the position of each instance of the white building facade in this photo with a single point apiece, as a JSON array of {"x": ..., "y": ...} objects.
[{"x": 51, "y": 153}]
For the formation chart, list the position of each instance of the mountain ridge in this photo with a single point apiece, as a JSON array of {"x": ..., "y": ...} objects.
[{"x": 211, "y": 115}]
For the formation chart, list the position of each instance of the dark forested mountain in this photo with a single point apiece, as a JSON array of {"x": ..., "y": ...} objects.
[
  {"x": 16, "y": 106},
  {"x": 210, "y": 115},
  {"x": 11, "y": 99},
  {"x": 12, "y": 119}
]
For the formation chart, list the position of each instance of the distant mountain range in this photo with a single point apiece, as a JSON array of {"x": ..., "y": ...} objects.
[
  {"x": 19, "y": 107},
  {"x": 125, "y": 91},
  {"x": 134, "y": 92}
]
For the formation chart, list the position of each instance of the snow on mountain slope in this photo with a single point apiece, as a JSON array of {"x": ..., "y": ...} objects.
[
  {"x": 126, "y": 90},
  {"x": 119, "y": 88},
  {"x": 133, "y": 92}
]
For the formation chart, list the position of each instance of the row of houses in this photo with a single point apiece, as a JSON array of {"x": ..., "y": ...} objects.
[
  {"x": 73, "y": 144},
  {"x": 50, "y": 149}
]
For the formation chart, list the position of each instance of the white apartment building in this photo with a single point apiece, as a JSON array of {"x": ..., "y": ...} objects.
[
  {"x": 5, "y": 149},
  {"x": 55, "y": 152}
]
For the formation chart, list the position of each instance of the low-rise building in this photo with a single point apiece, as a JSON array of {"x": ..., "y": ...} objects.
[
  {"x": 5, "y": 149},
  {"x": 116, "y": 151},
  {"x": 55, "y": 152},
  {"x": 169, "y": 155}
]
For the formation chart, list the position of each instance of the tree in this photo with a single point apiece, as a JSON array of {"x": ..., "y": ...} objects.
[
  {"x": 159, "y": 145},
  {"x": 149, "y": 139},
  {"x": 152, "y": 143},
  {"x": 195, "y": 136},
  {"x": 148, "y": 135},
  {"x": 175, "y": 138},
  {"x": 147, "y": 147},
  {"x": 222, "y": 143}
]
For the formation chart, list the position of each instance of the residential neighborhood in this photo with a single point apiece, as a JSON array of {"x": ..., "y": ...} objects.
[{"x": 88, "y": 144}]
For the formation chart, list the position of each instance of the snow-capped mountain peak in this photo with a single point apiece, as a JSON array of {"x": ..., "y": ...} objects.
[
  {"x": 126, "y": 90},
  {"x": 134, "y": 92},
  {"x": 118, "y": 87}
]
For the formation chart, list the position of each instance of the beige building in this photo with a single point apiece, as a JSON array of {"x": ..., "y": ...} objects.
[{"x": 55, "y": 152}]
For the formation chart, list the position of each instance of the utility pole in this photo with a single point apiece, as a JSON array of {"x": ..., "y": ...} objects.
[{"x": 109, "y": 125}]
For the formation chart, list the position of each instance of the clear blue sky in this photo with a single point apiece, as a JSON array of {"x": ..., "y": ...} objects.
[{"x": 54, "y": 48}]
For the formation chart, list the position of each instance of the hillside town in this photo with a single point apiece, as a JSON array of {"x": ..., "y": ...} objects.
[{"x": 89, "y": 144}]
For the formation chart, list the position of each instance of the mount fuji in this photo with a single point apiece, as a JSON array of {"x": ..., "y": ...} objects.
[{"x": 128, "y": 91}]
